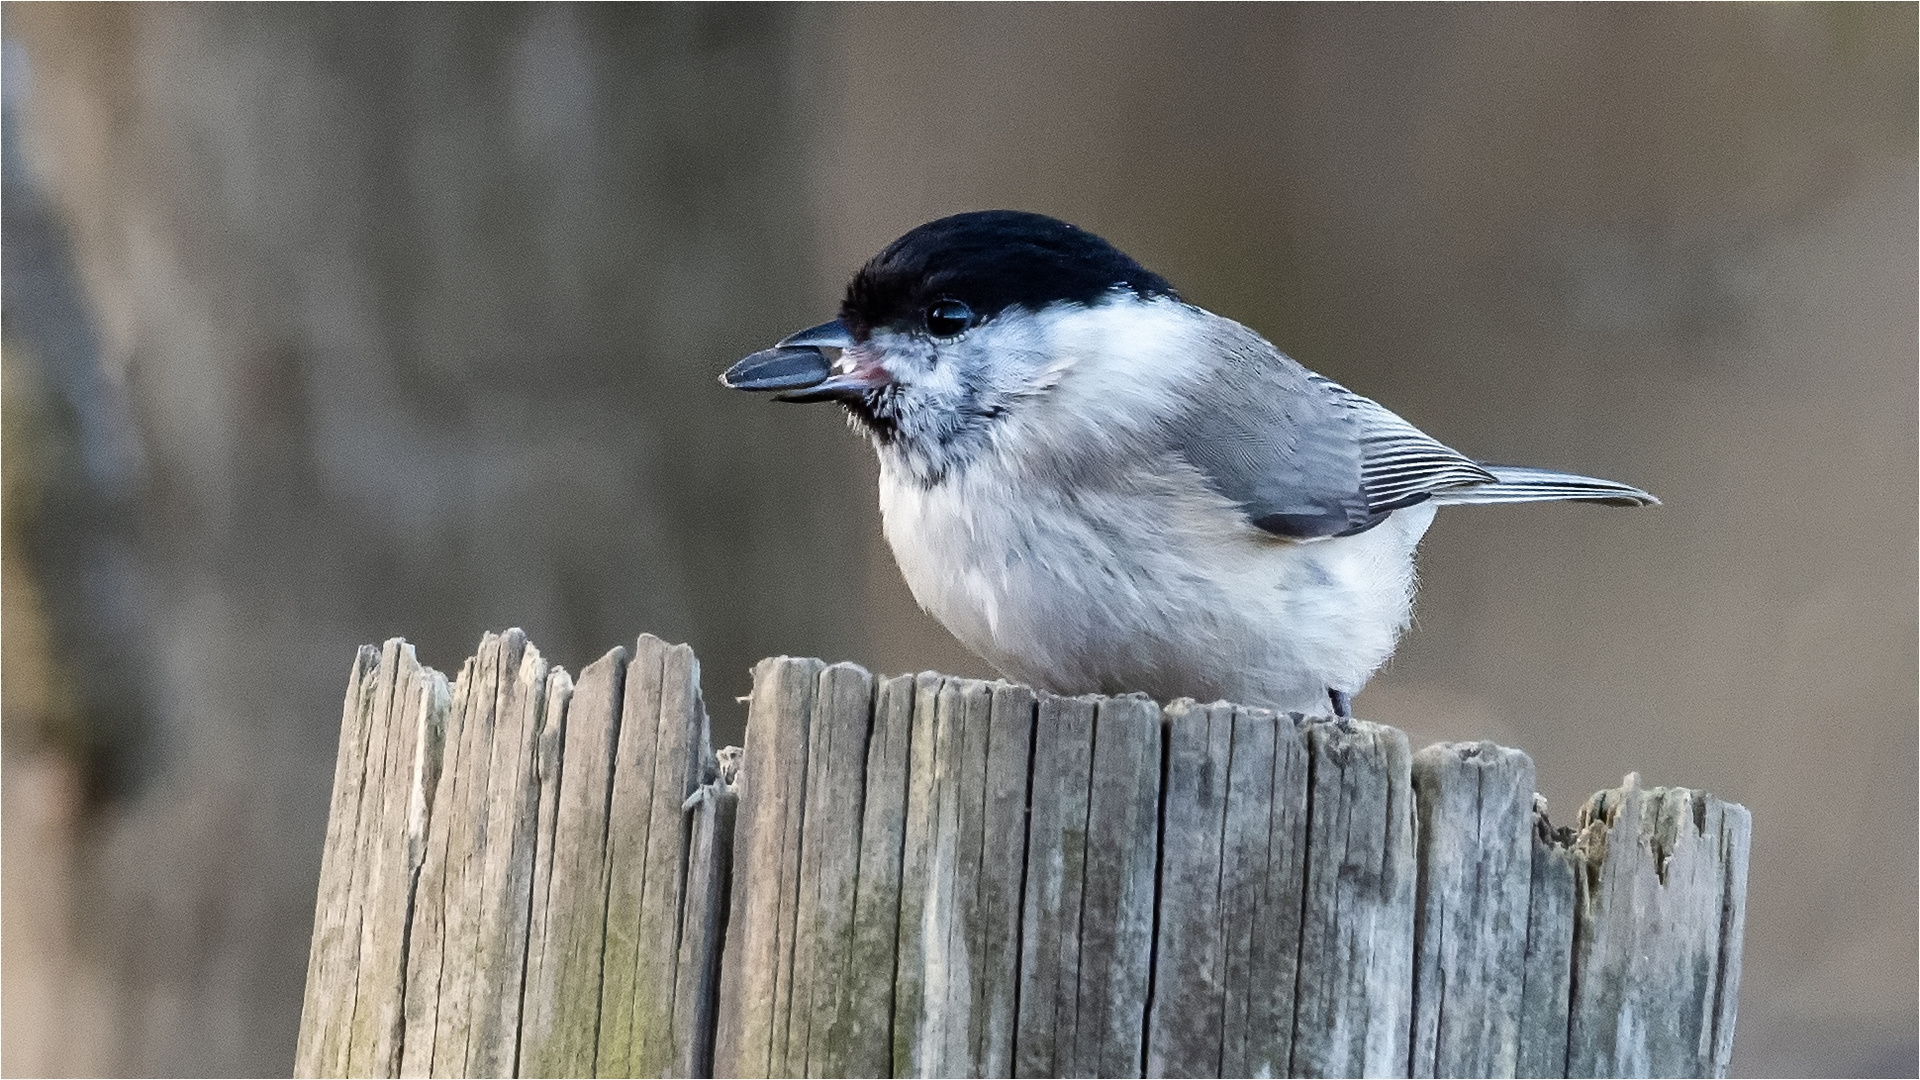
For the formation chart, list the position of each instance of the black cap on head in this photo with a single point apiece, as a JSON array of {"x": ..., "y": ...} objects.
[{"x": 990, "y": 260}]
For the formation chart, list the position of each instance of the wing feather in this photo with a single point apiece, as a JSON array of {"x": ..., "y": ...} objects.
[
  {"x": 1400, "y": 464},
  {"x": 1305, "y": 457},
  {"x": 1519, "y": 483},
  {"x": 1266, "y": 437}
]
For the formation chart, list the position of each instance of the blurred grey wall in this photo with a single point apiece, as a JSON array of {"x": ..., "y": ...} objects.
[{"x": 412, "y": 315}]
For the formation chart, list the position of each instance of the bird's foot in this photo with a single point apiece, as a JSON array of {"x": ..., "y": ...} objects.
[{"x": 1342, "y": 703}]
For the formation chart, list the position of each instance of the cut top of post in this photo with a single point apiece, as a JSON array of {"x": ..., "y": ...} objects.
[{"x": 932, "y": 876}]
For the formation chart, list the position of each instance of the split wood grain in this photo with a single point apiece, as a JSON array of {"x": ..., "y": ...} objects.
[
  {"x": 1263, "y": 881},
  {"x": 1475, "y": 808},
  {"x": 329, "y": 964},
  {"x": 390, "y": 732},
  {"x": 1047, "y": 1032},
  {"x": 1116, "y": 902},
  {"x": 931, "y": 881},
  {"x": 561, "y": 1018},
  {"x": 460, "y": 923},
  {"x": 1232, "y": 839},
  {"x": 1353, "y": 997},
  {"x": 1547, "y": 968},
  {"x": 929, "y": 743},
  {"x": 829, "y": 868},
  {"x": 472, "y": 900},
  {"x": 1659, "y": 918},
  {"x": 683, "y": 760},
  {"x": 702, "y": 934},
  {"x": 431, "y": 932},
  {"x": 862, "y": 1031},
  {"x": 757, "y": 967},
  {"x": 536, "y": 1006},
  {"x": 372, "y": 842},
  {"x": 960, "y": 909},
  {"x": 1185, "y": 1033},
  {"x": 415, "y": 703},
  {"x": 634, "y": 863},
  {"x": 505, "y": 888},
  {"x": 955, "y": 926},
  {"x": 624, "y": 998},
  {"x": 996, "y": 924}
]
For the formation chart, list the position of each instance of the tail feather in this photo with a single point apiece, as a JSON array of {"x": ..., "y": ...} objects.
[{"x": 1519, "y": 484}]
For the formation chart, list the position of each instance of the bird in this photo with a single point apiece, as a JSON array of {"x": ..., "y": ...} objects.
[{"x": 1101, "y": 488}]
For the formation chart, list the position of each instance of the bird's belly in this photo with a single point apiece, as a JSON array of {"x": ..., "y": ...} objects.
[{"x": 1172, "y": 595}]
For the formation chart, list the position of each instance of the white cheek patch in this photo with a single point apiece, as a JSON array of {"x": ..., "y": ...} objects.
[
  {"x": 1009, "y": 355},
  {"x": 1103, "y": 371},
  {"x": 1126, "y": 350}
]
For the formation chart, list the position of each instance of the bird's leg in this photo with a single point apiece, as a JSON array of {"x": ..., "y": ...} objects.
[{"x": 1342, "y": 702}]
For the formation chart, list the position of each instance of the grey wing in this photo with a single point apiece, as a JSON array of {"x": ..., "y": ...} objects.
[
  {"x": 1305, "y": 457},
  {"x": 1269, "y": 437},
  {"x": 1402, "y": 465}
]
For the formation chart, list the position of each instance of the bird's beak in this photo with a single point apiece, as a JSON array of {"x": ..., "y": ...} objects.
[
  {"x": 800, "y": 369},
  {"x": 828, "y": 335}
]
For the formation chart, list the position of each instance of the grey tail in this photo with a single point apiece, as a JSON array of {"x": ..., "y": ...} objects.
[{"x": 1520, "y": 484}]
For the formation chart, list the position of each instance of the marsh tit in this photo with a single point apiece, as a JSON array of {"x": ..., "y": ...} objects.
[{"x": 1101, "y": 488}]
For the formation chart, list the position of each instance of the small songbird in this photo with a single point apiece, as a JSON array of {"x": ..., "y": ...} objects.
[{"x": 1101, "y": 488}]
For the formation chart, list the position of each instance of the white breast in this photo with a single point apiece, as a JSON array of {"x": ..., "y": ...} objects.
[{"x": 1143, "y": 579}]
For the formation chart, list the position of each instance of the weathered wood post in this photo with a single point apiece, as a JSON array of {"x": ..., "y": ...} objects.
[
  {"x": 931, "y": 876},
  {"x": 523, "y": 876}
]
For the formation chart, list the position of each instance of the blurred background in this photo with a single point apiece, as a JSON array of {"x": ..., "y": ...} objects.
[{"x": 326, "y": 324}]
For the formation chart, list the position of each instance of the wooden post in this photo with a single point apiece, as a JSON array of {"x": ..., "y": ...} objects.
[
  {"x": 512, "y": 865},
  {"x": 1656, "y": 947},
  {"x": 929, "y": 876}
]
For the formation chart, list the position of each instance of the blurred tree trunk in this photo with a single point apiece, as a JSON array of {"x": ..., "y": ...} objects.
[{"x": 416, "y": 314}]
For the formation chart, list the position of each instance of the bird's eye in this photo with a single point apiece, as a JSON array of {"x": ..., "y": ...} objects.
[{"x": 948, "y": 318}]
